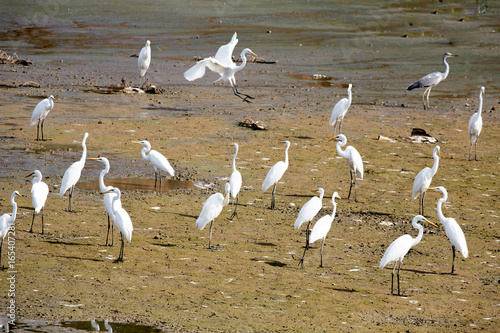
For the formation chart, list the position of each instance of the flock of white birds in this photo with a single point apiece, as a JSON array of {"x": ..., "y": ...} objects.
[{"x": 223, "y": 64}]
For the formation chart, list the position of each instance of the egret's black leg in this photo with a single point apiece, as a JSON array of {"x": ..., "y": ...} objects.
[
  {"x": 107, "y": 234},
  {"x": 273, "y": 198},
  {"x": 37, "y": 130},
  {"x": 392, "y": 278},
  {"x": 453, "y": 262},
  {"x": 322, "y": 244},
  {"x": 349, "y": 196},
  {"x": 301, "y": 262},
  {"x": 32, "y": 221},
  {"x": 41, "y": 128},
  {"x": 240, "y": 95},
  {"x": 399, "y": 268},
  {"x": 210, "y": 237},
  {"x": 307, "y": 234},
  {"x": 43, "y": 225},
  {"x": 71, "y": 197},
  {"x": 235, "y": 214}
]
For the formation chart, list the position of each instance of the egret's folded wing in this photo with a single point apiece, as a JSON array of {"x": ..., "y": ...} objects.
[{"x": 223, "y": 55}]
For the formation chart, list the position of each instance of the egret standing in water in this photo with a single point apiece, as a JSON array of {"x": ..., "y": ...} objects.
[
  {"x": 122, "y": 220},
  {"x": 223, "y": 64},
  {"x": 431, "y": 80},
  {"x": 73, "y": 173},
  {"x": 235, "y": 184},
  {"x": 340, "y": 109},
  {"x": 108, "y": 197},
  {"x": 41, "y": 111},
  {"x": 423, "y": 180},
  {"x": 475, "y": 125},
  {"x": 309, "y": 211},
  {"x": 160, "y": 162},
  {"x": 6, "y": 221},
  {"x": 275, "y": 173},
  {"x": 321, "y": 228},
  {"x": 211, "y": 209},
  {"x": 39, "y": 193},
  {"x": 400, "y": 247},
  {"x": 144, "y": 60},
  {"x": 453, "y": 230},
  {"x": 354, "y": 161}
]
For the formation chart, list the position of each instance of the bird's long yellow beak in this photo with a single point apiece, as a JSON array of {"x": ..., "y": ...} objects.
[
  {"x": 431, "y": 188},
  {"x": 137, "y": 142},
  {"x": 92, "y": 158},
  {"x": 106, "y": 191},
  {"x": 254, "y": 54},
  {"x": 19, "y": 195},
  {"x": 332, "y": 138},
  {"x": 426, "y": 220},
  {"x": 31, "y": 174}
]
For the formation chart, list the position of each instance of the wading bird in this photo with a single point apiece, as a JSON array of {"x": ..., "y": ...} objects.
[
  {"x": 275, "y": 174},
  {"x": 224, "y": 65},
  {"x": 122, "y": 220},
  {"x": 309, "y": 211},
  {"x": 475, "y": 125},
  {"x": 321, "y": 228},
  {"x": 73, "y": 173},
  {"x": 453, "y": 230},
  {"x": 431, "y": 80},
  {"x": 160, "y": 162},
  {"x": 41, "y": 111},
  {"x": 423, "y": 180},
  {"x": 211, "y": 209},
  {"x": 6, "y": 221},
  {"x": 144, "y": 60},
  {"x": 353, "y": 159},
  {"x": 340, "y": 109},
  {"x": 108, "y": 197},
  {"x": 400, "y": 247},
  {"x": 39, "y": 193},
  {"x": 235, "y": 184}
]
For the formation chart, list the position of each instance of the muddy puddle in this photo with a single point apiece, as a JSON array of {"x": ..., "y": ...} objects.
[{"x": 127, "y": 184}]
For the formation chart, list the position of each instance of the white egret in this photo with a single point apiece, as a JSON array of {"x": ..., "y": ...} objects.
[
  {"x": 309, "y": 211},
  {"x": 108, "y": 197},
  {"x": 475, "y": 125},
  {"x": 73, "y": 173},
  {"x": 224, "y": 65},
  {"x": 432, "y": 79},
  {"x": 122, "y": 219},
  {"x": 144, "y": 59},
  {"x": 39, "y": 193},
  {"x": 423, "y": 180},
  {"x": 353, "y": 159},
  {"x": 211, "y": 209},
  {"x": 321, "y": 228},
  {"x": 400, "y": 247},
  {"x": 453, "y": 230},
  {"x": 235, "y": 184},
  {"x": 41, "y": 111},
  {"x": 275, "y": 174},
  {"x": 160, "y": 162},
  {"x": 6, "y": 221},
  {"x": 340, "y": 109}
]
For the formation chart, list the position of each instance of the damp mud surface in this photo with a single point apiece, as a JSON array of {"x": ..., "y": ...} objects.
[{"x": 251, "y": 281}]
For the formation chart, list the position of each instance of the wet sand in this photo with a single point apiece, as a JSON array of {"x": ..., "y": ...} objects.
[{"x": 252, "y": 280}]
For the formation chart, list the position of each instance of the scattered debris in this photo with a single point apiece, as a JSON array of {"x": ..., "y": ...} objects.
[
  {"x": 419, "y": 135},
  {"x": 13, "y": 59},
  {"x": 321, "y": 77},
  {"x": 30, "y": 84},
  {"x": 380, "y": 137},
  {"x": 253, "y": 124},
  {"x": 154, "y": 90},
  {"x": 133, "y": 90}
]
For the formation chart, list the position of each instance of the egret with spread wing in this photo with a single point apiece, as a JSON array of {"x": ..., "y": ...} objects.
[
  {"x": 476, "y": 125},
  {"x": 224, "y": 65},
  {"x": 275, "y": 173},
  {"x": 453, "y": 230},
  {"x": 41, "y": 111},
  {"x": 400, "y": 247},
  {"x": 340, "y": 109},
  {"x": 431, "y": 80}
]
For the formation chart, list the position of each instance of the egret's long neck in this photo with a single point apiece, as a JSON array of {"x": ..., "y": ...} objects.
[
  {"x": 339, "y": 150},
  {"x": 446, "y": 68},
  {"x": 480, "y": 109},
  {"x": 349, "y": 96},
  {"x": 84, "y": 152},
  {"x": 234, "y": 159},
  {"x": 14, "y": 208},
  {"x": 417, "y": 239},
  {"x": 436, "y": 164},
  {"x": 243, "y": 62},
  {"x": 334, "y": 208},
  {"x": 286, "y": 156},
  {"x": 143, "y": 153},
  {"x": 102, "y": 187},
  {"x": 440, "y": 210}
]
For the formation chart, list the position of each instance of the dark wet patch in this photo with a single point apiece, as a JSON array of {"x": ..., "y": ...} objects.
[{"x": 131, "y": 184}]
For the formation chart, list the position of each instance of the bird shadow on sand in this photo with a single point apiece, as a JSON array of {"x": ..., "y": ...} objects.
[
  {"x": 67, "y": 243},
  {"x": 80, "y": 258},
  {"x": 274, "y": 263}
]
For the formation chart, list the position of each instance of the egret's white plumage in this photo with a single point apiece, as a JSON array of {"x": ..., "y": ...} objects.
[
  {"x": 340, "y": 109},
  {"x": 423, "y": 180},
  {"x": 73, "y": 173},
  {"x": 235, "y": 182},
  {"x": 400, "y": 247},
  {"x": 41, "y": 111},
  {"x": 108, "y": 197},
  {"x": 144, "y": 59},
  {"x": 222, "y": 64},
  {"x": 453, "y": 230},
  {"x": 39, "y": 193},
  {"x": 353, "y": 159},
  {"x": 275, "y": 174},
  {"x": 211, "y": 209},
  {"x": 432, "y": 79},
  {"x": 309, "y": 211},
  {"x": 321, "y": 228},
  {"x": 7, "y": 220},
  {"x": 122, "y": 220},
  {"x": 159, "y": 162},
  {"x": 476, "y": 125}
]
